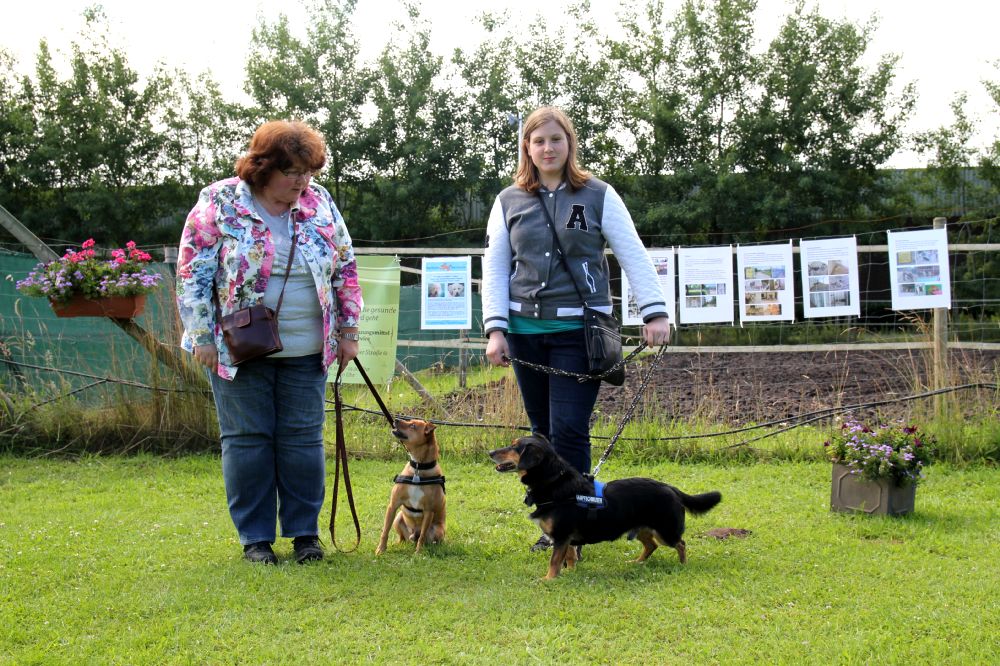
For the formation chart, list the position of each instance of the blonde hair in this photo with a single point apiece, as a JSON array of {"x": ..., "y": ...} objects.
[{"x": 527, "y": 173}]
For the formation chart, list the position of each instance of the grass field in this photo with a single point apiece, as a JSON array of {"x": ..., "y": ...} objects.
[{"x": 135, "y": 561}]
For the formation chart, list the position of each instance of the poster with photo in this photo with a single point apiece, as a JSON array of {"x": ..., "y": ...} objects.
[
  {"x": 766, "y": 283},
  {"x": 830, "y": 283},
  {"x": 706, "y": 284},
  {"x": 663, "y": 262},
  {"x": 918, "y": 269},
  {"x": 446, "y": 294}
]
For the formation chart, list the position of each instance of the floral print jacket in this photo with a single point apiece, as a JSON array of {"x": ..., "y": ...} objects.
[{"x": 226, "y": 250}]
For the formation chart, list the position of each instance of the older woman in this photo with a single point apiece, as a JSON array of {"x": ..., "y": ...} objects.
[{"x": 234, "y": 253}]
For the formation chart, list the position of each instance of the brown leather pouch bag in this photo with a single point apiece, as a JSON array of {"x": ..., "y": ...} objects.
[{"x": 251, "y": 333}]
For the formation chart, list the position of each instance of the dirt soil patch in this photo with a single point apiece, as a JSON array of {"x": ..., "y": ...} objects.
[{"x": 756, "y": 387}]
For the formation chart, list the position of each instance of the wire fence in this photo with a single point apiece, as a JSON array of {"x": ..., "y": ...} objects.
[{"x": 753, "y": 372}]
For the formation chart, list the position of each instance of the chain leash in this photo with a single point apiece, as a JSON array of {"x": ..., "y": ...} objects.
[
  {"x": 583, "y": 378},
  {"x": 631, "y": 408},
  {"x": 580, "y": 377}
]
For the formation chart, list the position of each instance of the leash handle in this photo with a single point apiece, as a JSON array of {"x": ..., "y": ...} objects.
[{"x": 341, "y": 456}]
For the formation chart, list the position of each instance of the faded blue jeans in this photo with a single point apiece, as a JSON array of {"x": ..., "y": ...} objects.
[
  {"x": 273, "y": 461},
  {"x": 558, "y": 407}
]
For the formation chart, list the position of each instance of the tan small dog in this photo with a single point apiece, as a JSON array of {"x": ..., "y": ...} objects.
[{"x": 416, "y": 505}]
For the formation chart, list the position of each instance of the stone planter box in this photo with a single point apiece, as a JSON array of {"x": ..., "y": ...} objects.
[{"x": 849, "y": 492}]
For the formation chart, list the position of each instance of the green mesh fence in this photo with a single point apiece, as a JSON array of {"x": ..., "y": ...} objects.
[{"x": 32, "y": 337}]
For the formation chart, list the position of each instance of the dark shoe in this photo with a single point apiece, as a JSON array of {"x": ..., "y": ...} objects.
[
  {"x": 543, "y": 543},
  {"x": 259, "y": 552},
  {"x": 307, "y": 549}
]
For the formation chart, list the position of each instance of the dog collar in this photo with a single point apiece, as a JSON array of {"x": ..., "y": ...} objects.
[{"x": 419, "y": 466}]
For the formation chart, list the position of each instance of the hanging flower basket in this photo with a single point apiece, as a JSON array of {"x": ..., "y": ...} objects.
[
  {"x": 80, "y": 284},
  {"x": 116, "y": 307}
]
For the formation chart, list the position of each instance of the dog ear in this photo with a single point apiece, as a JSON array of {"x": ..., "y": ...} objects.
[
  {"x": 429, "y": 427},
  {"x": 529, "y": 457}
]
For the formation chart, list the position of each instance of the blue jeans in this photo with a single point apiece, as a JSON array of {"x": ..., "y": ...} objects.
[
  {"x": 273, "y": 461},
  {"x": 558, "y": 407}
]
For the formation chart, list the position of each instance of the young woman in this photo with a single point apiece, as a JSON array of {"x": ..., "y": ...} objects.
[{"x": 531, "y": 306}]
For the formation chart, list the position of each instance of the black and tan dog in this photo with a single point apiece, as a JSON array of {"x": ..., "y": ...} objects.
[
  {"x": 416, "y": 505},
  {"x": 572, "y": 511}
]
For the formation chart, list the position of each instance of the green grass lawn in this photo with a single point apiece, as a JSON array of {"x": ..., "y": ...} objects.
[{"x": 134, "y": 560}]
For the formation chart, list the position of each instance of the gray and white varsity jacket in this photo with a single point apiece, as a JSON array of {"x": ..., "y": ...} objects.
[{"x": 522, "y": 273}]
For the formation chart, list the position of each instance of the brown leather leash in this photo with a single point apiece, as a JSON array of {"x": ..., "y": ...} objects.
[{"x": 341, "y": 455}]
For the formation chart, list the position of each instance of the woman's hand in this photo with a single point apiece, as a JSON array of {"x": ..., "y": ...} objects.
[
  {"x": 656, "y": 332},
  {"x": 497, "y": 350},
  {"x": 207, "y": 355},
  {"x": 347, "y": 350}
]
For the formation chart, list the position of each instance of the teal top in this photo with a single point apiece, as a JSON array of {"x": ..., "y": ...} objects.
[{"x": 532, "y": 326}]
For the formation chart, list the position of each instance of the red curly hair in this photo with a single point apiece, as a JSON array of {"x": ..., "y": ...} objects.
[{"x": 281, "y": 144}]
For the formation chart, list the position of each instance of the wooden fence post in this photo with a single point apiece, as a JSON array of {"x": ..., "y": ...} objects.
[
  {"x": 463, "y": 358},
  {"x": 940, "y": 347}
]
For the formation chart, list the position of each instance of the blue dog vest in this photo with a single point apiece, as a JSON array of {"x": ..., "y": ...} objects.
[{"x": 595, "y": 501}]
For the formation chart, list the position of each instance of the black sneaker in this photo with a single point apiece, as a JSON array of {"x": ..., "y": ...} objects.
[
  {"x": 307, "y": 549},
  {"x": 259, "y": 552},
  {"x": 543, "y": 543}
]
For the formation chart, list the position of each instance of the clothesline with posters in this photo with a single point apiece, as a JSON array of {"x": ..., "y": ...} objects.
[{"x": 765, "y": 279}]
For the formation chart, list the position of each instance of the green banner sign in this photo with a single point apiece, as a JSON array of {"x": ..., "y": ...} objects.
[{"x": 379, "y": 279}]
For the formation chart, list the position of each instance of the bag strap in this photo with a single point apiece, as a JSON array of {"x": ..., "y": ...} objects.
[
  {"x": 562, "y": 255},
  {"x": 341, "y": 457},
  {"x": 288, "y": 268},
  {"x": 281, "y": 296}
]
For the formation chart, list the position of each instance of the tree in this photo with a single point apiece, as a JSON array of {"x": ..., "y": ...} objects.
[
  {"x": 491, "y": 102},
  {"x": 990, "y": 161},
  {"x": 317, "y": 79},
  {"x": 825, "y": 123},
  {"x": 16, "y": 128},
  {"x": 95, "y": 145},
  {"x": 415, "y": 148}
]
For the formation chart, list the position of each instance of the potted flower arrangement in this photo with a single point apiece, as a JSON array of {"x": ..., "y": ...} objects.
[
  {"x": 81, "y": 284},
  {"x": 876, "y": 469}
]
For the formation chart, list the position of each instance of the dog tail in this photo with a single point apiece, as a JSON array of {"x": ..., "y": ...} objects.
[{"x": 697, "y": 504}]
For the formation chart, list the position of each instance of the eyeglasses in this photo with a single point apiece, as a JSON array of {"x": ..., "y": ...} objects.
[{"x": 291, "y": 173}]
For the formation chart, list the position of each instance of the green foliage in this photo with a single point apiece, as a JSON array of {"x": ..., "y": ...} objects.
[{"x": 712, "y": 136}]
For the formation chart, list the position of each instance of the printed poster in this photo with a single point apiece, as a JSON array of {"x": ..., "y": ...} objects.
[
  {"x": 446, "y": 293},
  {"x": 663, "y": 262},
  {"x": 379, "y": 325},
  {"x": 918, "y": 269},
  {"x": 830, "y": 282},
  {"x": 706, "y": 284},
  {"x": 766, "y": 289}
]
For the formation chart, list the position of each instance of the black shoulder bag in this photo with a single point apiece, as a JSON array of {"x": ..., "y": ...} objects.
[{"x": 601, "y": 332}]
